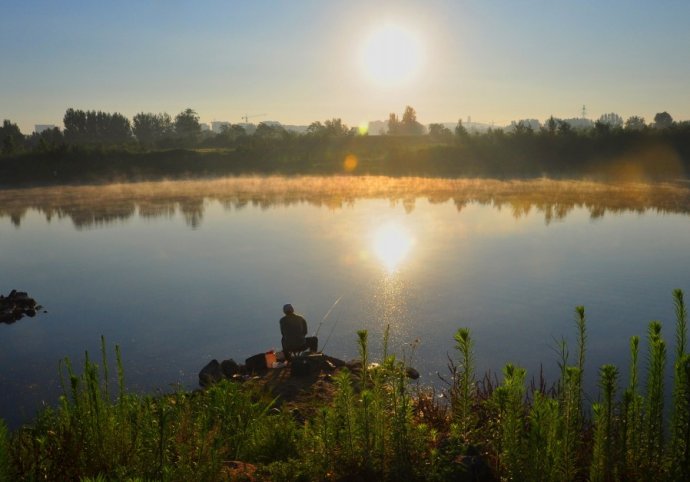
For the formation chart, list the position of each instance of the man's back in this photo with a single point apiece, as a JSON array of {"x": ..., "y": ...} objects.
[{"x": 294, "y": 329}]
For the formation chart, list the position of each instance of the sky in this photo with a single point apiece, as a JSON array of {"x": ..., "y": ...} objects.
[{"x": 301, "y": 61}]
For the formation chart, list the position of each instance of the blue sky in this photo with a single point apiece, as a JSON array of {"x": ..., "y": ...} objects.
[{"x": 300, "y": 61}]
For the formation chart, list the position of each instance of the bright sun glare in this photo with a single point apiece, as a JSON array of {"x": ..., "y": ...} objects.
[
  {"x": 392, "y": 55},
  {"x": 391, "y": 244}
]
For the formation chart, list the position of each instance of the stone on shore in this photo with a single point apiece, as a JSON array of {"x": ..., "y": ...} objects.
[{"x": 16, "y": 305}]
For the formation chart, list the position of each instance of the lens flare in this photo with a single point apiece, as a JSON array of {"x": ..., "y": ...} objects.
[{"x": 350, "y": 163}]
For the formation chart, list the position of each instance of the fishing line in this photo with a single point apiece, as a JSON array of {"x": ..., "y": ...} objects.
[
  {"x": 332, "y": 329},
  {"x": 328, "y": 313}
]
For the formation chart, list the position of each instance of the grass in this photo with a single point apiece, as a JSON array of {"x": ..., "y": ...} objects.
[{"x": 377, "y": 426}]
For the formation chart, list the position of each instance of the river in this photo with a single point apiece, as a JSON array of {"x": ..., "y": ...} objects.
[{"x": 177, "y": 273}]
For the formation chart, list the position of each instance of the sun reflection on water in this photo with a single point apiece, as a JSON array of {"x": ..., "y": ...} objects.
[{"x": 391, "y": 244}]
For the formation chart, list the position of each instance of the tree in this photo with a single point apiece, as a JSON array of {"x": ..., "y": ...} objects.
[
  {"x": 564, "y": 128},
  {"x": 551, "y": 125},
  {"x": 232, "y": 132},
  {"x": 635, "y": 123},
  {"x": 601, "y": 128},
  {"x": 47, "y": 140},
  {"x": 316, "y": 129},
  {"x": 266, "y": 131},
  {"x": 393, "y": 125},
  {"x": 10, "y": 136},
  {"x": 96, "y": 127},
  {"x": 522, "y": 128},
  {"x": 663, "y": 120},
  {"x": 118, "y": 129},
  {"x": 150, "y": 128},
  {"x": 613, "y": 120},
  {"x": 187, "y": 127},
  {"x": 439, "y": 132},
  {"x": 336, "y": 128},
  {"x": 330, "y": 128},
  {"x": 460, "y": 131},
  {"x": 409, "y": 124},
  {"x": 75, "y": 126}
]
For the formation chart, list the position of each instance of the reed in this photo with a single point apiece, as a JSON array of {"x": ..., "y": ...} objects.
[
  {"x": 5, "y": 475},
  {"x": 543, "y": 439},
  {"x": 605, "y": 461},
  {"x": 177, "y": 436},
  {"x": 632, "y": 417},
  {"x": 509, "y": 400},
  {"x": 654, "y": 402},
  {"x": 462, "y": 388},
  {"x": 375, "y": 427},
  {"x": 368, "y": 431}
]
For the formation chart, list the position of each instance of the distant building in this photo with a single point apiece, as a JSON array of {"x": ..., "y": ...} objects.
[
  {"x": 204, "y": 127},
  {"x": 38, "y": 128},
  {"x": 217, "y": 126},
  {"x": 377, "y": 128}
]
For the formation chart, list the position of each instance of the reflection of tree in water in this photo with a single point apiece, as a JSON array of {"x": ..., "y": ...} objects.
[
  {"x": 193, "y": 211},
  {"x": 88, "y": 216},
  {"x": 90, "y": 206},
  {"x": 150, "y": 210}
]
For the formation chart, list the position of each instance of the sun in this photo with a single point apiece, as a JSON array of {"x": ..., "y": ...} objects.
[{"x": 392, "y": 55}]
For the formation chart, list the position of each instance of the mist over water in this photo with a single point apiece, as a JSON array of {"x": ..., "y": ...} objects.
[{"x": 178, "y": 273}]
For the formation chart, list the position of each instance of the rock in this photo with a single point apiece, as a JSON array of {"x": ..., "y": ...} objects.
[
  {"x": 210, "y": 374},
  {"x": 16, "y": 305},
  {"x": 229, "y": 368},
  {"x": 411, "y": 373},
  {"x": 256, "y": 363}
]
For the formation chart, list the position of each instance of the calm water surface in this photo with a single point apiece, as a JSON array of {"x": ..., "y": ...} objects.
[{"x": 179, "y": 273}]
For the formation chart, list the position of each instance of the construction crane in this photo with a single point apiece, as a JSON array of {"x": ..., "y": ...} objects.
[{"x": 246, "y": 117}]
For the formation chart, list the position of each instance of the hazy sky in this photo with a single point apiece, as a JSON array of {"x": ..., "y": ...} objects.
[{"x": 301, "y": 61}]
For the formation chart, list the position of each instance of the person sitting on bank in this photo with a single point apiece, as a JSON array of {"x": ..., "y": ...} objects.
[{"x": 294, "y": 330}]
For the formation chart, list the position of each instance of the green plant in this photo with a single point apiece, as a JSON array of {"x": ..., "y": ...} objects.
[
  {"x": 604, "y": 459},
  {"x": 680, "y": 388},
  {"x": 631, "y": 419},
  {"x": 374, "y": 427},
  {"x": 543, "y": 439},
  {"x": 509, "y": 402},
  {"x": 5, "y": 471},
  {"x": 654, "y": 403},
  {"x": 462, "y": 388}
]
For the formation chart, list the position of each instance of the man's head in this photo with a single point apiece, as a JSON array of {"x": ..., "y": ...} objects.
[{"x": 287, "y": 309}]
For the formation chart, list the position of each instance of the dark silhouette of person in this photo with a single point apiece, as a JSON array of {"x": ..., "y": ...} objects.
[{"x": 294, "y": 330}]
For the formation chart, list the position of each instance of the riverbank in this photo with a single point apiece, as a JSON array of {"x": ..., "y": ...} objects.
[
  {"x": 368, "y": 422},
  {"x": 627, "y": 156}
]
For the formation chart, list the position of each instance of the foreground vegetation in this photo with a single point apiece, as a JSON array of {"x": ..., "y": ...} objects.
[{"x": 377, "y": 426}]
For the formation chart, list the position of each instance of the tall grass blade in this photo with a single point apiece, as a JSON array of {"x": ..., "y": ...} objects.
[{"x": 654, "y": 404}]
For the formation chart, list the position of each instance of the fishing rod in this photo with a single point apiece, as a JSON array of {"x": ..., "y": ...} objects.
[
  {"x": 328, "y": 313},
  {"x": 323, "y": 347}
]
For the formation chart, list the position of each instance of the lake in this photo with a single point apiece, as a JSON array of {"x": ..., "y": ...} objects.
[{"x": 178, "y": 273}]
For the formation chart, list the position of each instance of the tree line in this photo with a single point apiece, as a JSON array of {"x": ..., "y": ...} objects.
[
  {"x": 100, "y": 146},
  {"x": 149, "y": 130}
]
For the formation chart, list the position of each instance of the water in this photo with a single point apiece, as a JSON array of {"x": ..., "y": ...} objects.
[{"x": 179, "y": 273}]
